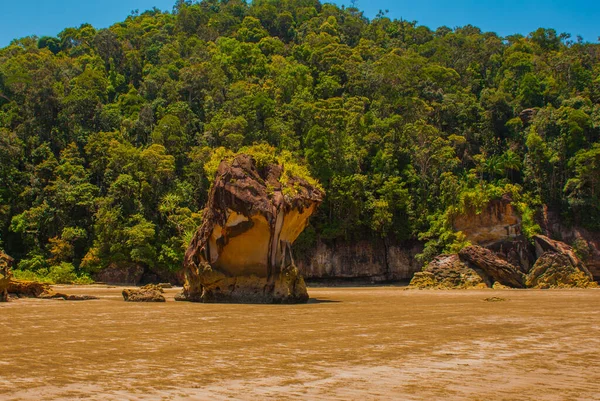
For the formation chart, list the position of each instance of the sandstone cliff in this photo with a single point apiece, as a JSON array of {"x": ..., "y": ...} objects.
[
  {"x": 242, "y": 251},
  {"x": 373, "y": 261},
  {"x": 497, "y": 222}
]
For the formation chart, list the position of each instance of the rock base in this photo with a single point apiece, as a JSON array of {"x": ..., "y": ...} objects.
[
  {"x": 29, "y": 289},
  {"x": 4, "y": 282},
  {"x": 212, "y": 286}
]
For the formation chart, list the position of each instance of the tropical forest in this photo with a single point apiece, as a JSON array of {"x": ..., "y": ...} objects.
[{"x": 110, "y": 139}]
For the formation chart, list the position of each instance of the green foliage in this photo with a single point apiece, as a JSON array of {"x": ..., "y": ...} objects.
[
  {"x": 63, "y": 273},
  {"x": 28, "y": 275},
  {"x": 111, "y": 138}
]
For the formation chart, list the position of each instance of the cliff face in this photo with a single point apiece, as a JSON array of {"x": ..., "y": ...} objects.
[
  {"x": 498, "y": 221},
  {"x": 242, "y": 251},
  {"x": 373, "y": 261}
]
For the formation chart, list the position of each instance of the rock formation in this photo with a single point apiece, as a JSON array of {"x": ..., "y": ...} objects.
[
  {"x": 497, "y": 269},
  {"x": 472, "y": 267},
  {"x": 587, "y": 242},
  {"x": 497, "y": 222},
  {"x": 6, "y": 263},
  {"x": 557, "y": 270},
  {"x": 28, "y": 289},
  {"x": 372, "y": 261},
  {"x": 147, "y": 293},
  {"x": 66, "y": 297},
  {"x": 449, "y": 272},
  {"x": 242, "y": 252},
  {"x": 544, "y": 244},
  {"x": 557, "y": 266},
  {"x": 517, "y": 251}
]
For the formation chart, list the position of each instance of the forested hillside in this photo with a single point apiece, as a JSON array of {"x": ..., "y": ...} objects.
[{"x": 109, "y": 138}]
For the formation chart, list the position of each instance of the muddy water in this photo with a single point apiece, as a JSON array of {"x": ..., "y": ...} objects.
[{"x": 348, "y": 343}]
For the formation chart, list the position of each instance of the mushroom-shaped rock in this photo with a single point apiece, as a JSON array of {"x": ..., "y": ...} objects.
[{"x": 242, "y": 252}]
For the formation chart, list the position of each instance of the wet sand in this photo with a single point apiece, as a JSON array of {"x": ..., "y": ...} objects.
[{"x": 372, "y": 343}]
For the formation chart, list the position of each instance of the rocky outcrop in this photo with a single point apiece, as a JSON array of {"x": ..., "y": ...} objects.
[
  {"x": 587, "y": 243},
  {"x": 544, "y": 244},
  {"x": 517, "y": 251},
  {"x": 121, "y": 274},
  {"x": 472, "y": 267},
  {"x": 6, "y": 263},
  {"x": 497, "y": 222},
  {"x": 527, "y": 115},
  {"x": 449, "y": 272},
  {"x": 29, "y": 289},
  {"x": 372, "y": 261},
  {"x": 557, "y": 266},
  {"x": 66, "y": 297},
  {"x": 497, "y": 269},
  {"x": 558, "y": 270},
  {"x": 242, "y": 251},
  {"x": 147, "y": 293}
]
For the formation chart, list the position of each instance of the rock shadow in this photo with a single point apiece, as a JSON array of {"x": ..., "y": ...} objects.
[{"x": 322, "y": 301}]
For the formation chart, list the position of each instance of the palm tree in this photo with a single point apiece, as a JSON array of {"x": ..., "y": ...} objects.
[{"x": 510, "y": 162}]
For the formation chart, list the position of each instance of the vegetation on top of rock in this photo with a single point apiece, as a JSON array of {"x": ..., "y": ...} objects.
[{"x": 109, "y": 138}]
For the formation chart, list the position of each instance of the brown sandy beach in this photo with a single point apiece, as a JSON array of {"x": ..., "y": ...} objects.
[{"x": 367, "y": 343}]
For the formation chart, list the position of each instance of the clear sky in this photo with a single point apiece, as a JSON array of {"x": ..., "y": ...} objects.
[{"x": 48, "y": 17}]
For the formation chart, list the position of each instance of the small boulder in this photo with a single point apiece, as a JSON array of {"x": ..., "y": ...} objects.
[
  {"x": 557, "y": 270},
  {"x": 147, "y": 293},
  {"x": 497, "y": 269},
  {"x": 494, "y": 299},
  {"x": 448, "y": 272}
]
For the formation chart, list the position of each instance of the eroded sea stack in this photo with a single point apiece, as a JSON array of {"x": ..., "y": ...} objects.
[{"x": 242, "y": 252}]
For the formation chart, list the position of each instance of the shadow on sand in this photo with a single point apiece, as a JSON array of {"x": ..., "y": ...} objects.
[{"x": 322, "y": 301}]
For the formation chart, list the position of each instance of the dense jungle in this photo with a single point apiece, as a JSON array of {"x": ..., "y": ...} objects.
[{"x": 110, "y": 138}]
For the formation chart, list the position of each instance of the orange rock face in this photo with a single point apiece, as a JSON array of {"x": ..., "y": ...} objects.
[
  {"x": 242, "y": 251},
  {"x": 498, "y": 221}
]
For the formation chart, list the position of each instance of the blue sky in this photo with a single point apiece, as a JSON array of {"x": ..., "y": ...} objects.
[{"x": 48, "y": 17}]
